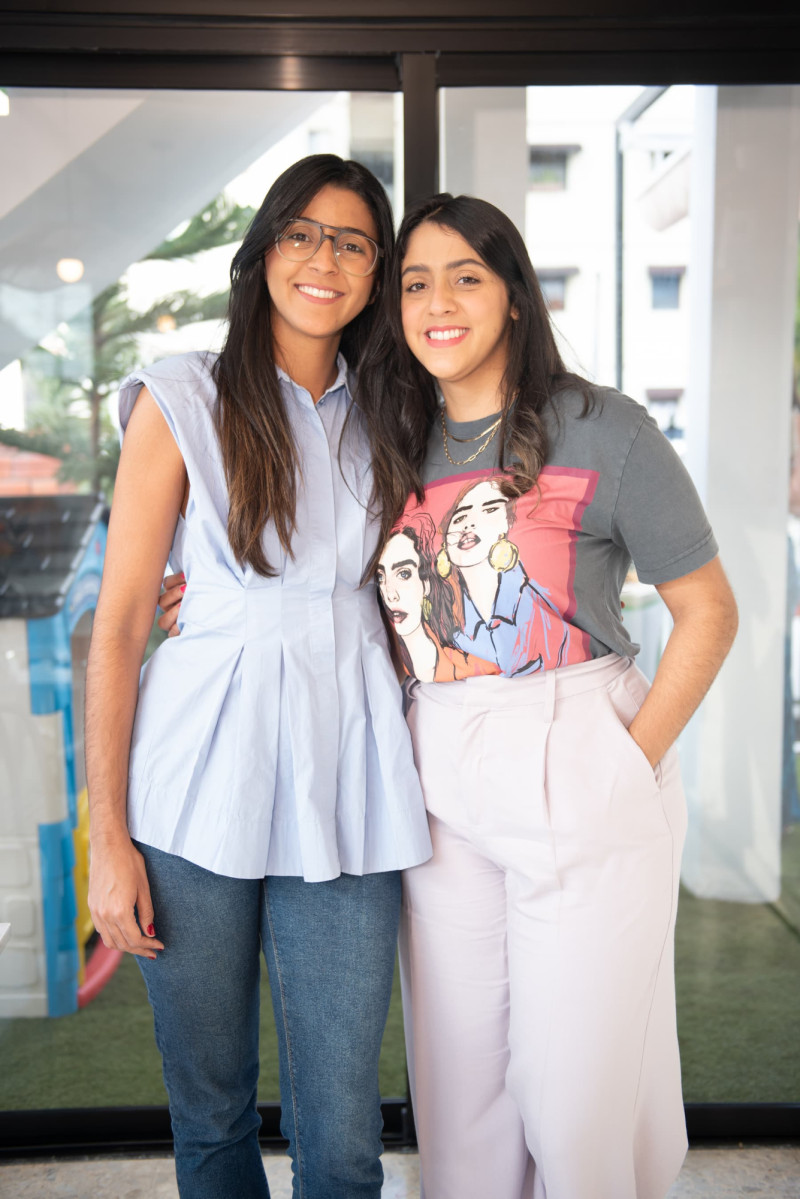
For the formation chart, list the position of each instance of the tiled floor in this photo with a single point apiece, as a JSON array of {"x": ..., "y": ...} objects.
[{"x": 715, "y": 1173}]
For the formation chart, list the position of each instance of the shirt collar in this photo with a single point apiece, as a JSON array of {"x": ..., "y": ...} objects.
[
  {"x": 342, "y": 380},
  {"x": 506, "y": 601}
]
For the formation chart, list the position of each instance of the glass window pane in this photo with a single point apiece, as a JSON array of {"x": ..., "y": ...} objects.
[
  {"x": 554, "y": 290},
  {"x": 666, "y": 289},
  {"x": 692, "y": 312},
  {"x": 120, "y": 212},
  {"x": 547, "y": 168}
]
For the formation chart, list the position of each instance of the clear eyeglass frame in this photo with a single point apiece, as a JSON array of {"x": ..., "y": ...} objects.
[{"x": 355, "y": 253}]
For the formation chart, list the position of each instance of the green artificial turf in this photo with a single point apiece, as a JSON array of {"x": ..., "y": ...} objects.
[
  {"x": 738, "y": 978},
  {"x": 101, "y": 1056},
  {"x": 105, "y": 1055}
]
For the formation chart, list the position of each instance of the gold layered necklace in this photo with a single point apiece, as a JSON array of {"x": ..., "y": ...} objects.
[{"x": 487, "y": 434}]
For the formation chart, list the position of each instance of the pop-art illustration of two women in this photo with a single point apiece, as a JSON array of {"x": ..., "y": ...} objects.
[{"x": 460, "y": 598}]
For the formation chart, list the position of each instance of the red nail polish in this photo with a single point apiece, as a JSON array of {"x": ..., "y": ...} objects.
[
  {"x": 183, "y": 588},
  {"x": 151, "y": 932}
]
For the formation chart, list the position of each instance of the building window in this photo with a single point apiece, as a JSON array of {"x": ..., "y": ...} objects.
[
  {"x": 666, "y": 285},
  {"x": 662, "y": 403},
  {"x": 553, "y": 282},
  {"x": 380, "y": 162},
  {"x": 547, "y": 167}
]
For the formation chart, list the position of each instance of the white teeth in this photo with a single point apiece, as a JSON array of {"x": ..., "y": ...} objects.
[
  {"x": 444, "y": 334},
  {"x": 317, "y": 292}
]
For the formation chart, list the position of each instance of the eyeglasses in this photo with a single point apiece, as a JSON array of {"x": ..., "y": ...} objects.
[{"x": 355, "y": 252}]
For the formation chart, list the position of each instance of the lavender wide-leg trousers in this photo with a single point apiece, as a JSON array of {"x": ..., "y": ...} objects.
[{"x": 537, "y": 943}]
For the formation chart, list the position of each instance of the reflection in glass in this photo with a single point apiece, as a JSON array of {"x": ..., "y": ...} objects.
[
  {"x": 120, "y": 212},
  {"x": 52, "y": 554},
  {"x": 682, "y": 291}
]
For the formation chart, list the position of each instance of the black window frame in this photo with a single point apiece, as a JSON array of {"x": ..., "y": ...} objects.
[{"x": 417, "y": 47}]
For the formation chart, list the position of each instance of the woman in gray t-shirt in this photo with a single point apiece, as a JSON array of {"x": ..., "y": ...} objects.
[{"x": 537, "y": 942}]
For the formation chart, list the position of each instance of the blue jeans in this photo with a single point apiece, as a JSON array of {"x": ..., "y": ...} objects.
[{"x": 329, "y": 949}]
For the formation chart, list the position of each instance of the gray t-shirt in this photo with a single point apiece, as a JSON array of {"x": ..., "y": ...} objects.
[{"x": 514, "y": 587}]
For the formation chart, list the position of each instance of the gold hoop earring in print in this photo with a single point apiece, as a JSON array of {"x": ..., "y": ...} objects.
[
  {"x": 427, "y": 608},
  {"x": 443, "y": 563},
  {"x": 503, "y": 555}
]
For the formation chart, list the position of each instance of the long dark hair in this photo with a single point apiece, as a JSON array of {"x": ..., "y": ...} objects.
[
  {"x": 258, "y": 451},
  {"x": 397, "y": 396},
  {"x": 445, "y": 610},
  {"x": 421, "y": 532}
]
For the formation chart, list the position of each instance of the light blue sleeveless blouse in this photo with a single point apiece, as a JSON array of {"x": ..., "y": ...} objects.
[{"x": 269, "y": 737}]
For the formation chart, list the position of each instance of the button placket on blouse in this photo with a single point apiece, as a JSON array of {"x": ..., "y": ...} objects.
[
  {"x": 317, "y": 551},
  {"x": 307, "y": 630}
]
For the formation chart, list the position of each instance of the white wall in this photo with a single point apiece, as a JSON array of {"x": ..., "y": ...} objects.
[
  {"x": 484, "y": 152},
  {"x": 745, "y": 191}
]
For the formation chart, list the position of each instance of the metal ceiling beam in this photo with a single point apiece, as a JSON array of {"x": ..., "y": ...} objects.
[
  {"x": 420, "y": 126},
  {"x": 379, "y": 28}
]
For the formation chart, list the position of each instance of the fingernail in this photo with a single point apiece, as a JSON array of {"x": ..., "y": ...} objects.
[
  {"x": 183, "y": 588},
  {"x": 151, "y": 932}
]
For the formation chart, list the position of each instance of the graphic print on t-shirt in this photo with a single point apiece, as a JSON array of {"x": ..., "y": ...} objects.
[{"x": 476, "y": 583}]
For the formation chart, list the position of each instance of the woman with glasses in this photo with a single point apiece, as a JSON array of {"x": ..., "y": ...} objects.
[
  {"x": 256, "y": 790},
  {"x": 537, "y": 942}
]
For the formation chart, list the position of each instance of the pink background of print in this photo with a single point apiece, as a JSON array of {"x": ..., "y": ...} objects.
[{"x": 545, "y": 528}]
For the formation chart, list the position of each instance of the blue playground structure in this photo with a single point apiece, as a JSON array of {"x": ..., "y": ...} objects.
[{"x": 51, "y": 561}]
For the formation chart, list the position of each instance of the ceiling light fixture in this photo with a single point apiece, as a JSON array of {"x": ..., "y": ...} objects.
[{"x": 69, "y": 270}]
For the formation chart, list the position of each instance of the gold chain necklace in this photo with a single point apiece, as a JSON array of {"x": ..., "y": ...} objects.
[
  {"x": 477, "y": 437},
  {"x": 463, "y": 461}
]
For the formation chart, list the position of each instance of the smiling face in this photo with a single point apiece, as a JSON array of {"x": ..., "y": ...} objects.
[
  {"x": 316, "y": 299},
  {"x": 456, "y": 311},
  {"x": 402, "y": 588},
  {"x": 480, "y": 520}
]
